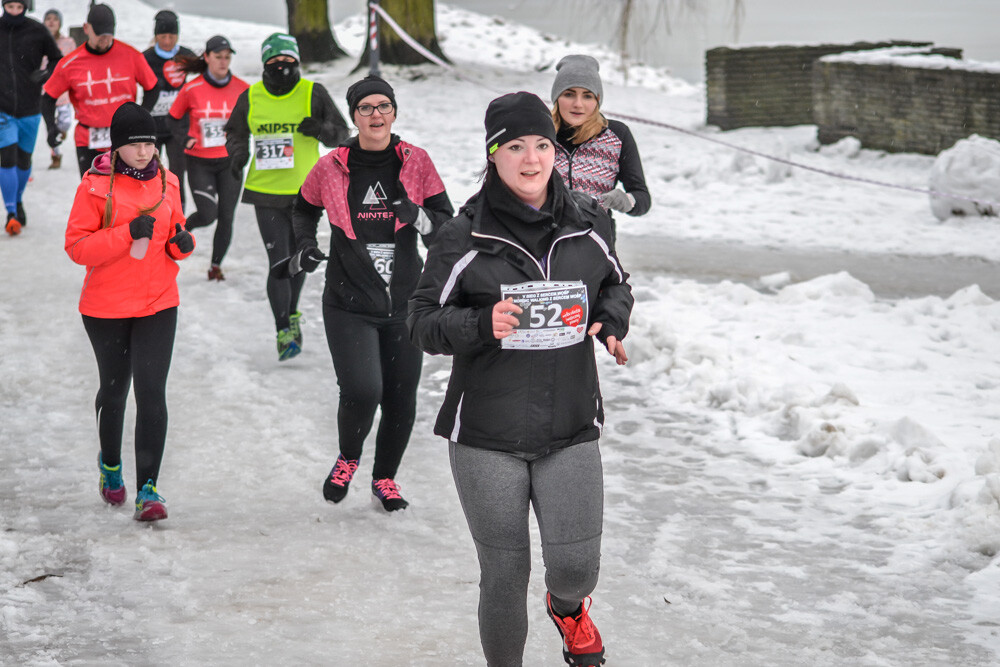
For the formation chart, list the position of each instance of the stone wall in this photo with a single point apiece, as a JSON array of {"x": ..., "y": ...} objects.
[
  {"x": 768, "y": 85},
  {"x": 912, "y": 104}
]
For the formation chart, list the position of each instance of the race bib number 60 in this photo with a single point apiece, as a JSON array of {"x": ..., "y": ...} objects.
[{"x": 555, "y": 315}]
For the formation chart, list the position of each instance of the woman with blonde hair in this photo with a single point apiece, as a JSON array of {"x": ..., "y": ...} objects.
[
  {"x": 593, "y": 153},
  {"x": 127, "y": 227}
]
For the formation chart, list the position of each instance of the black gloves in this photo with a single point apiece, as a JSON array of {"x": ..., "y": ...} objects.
[
  {"x": 307, "y": 259},
  {"x": 406, "y": 211},
  {"x": 236, "y": 166},
  {"x": 182, "y": 239},
  {"x": 409, "y": 213},
  {"x": 310, "y": 127},
  {"x": 39, "y": 76},
  {"x": 141, "y": 227},
  {"x": 54, "y": 138}
]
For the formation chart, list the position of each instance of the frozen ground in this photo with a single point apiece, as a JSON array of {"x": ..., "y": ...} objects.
[{"x": 798, "y": 474}]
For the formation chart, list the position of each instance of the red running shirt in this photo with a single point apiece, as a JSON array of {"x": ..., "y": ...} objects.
[
  {"x": 209, "y": 108},
  {"x": 97, "y": 85}
]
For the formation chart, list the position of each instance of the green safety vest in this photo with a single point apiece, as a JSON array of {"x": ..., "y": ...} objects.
[{"x": 285, "y": 156}]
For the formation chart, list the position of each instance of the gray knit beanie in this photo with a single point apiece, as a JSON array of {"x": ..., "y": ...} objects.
[{"x": 578, "y": 71}]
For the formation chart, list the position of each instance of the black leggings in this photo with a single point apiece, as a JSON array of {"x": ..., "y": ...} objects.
[
  {"x": 275, "y": 226},
  {"x": 136, "y": 348},
  {"x": 216, "y": 192},
  {"x": 15, "y": 156},
  {"x": 177, "y": 159},
  {"x": 377, "y": 366},
  {"x": 85, "y": 158}
]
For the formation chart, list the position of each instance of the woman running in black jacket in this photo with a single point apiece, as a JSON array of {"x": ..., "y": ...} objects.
[{"x": 516, "y": 288}]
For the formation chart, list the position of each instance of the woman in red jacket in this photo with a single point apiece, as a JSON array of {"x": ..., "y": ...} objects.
[
  {"x": 127, "y": 227},
  {"x": 197, "y": 117}
]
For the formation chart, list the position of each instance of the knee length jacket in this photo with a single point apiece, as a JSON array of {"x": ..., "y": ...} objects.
[{"x": 525, "y": 401}]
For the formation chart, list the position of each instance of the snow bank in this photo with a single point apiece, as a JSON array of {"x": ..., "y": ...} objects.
[{"x": 970, "y": 168}]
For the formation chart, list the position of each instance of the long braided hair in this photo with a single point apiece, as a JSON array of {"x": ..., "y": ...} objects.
[{"x": 111, "y": 188}]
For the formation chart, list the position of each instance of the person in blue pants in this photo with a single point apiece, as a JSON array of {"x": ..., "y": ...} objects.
[{"x": 24, "y": 42}]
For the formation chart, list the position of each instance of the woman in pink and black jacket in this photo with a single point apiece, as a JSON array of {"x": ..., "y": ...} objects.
[{"x": 380, "y": 194}]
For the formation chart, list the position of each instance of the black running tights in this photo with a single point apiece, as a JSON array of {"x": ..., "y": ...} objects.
[
  {"x": 377, "y": 366},
  {"x": 216, "y": 192},
  {"x": 139, "y": 349},
  {"x": 275, "y": 226}
]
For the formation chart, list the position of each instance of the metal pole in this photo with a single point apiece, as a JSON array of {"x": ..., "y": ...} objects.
[{"x": 373, "y": 38}]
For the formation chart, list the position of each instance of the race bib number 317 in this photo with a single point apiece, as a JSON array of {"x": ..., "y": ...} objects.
[{"x": 555, "y": 315}]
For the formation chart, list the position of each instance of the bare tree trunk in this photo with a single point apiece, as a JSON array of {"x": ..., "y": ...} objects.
[
  {"x": 309, "y": 23},
  {"x": 416, "y": 17}
]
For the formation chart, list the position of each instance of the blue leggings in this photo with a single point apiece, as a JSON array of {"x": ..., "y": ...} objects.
[{"x": 566, "y": 490}]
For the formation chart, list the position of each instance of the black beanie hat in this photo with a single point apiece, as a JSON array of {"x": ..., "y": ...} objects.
[
  {"x": 370, "y": 85},
  {"x": 166, "y": 23},
  {"x": 132, "y": 124},
  {"x": 101, "y": 19},
  {"x": 516, "y": 115}
]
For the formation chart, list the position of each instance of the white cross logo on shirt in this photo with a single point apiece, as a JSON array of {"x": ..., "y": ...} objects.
[
  {"x": 223, "y": 112},
  {"x": 91, "y": 82}
]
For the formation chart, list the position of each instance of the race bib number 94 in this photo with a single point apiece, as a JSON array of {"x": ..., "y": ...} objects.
[
  {"x": 555, "y": 315},
  {"x": 99, "y": 138},
  {"x": 274, "y": 151}
]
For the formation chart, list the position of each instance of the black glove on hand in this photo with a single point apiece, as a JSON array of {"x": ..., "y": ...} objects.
[
  {"x": 182, "y": 239},
  {"x": 39, "y": 76},
  {"x": 54, "y": 138},
  {"x": 310, "y": 127},
  {"x": 141, "y": 227},
  {"x": 409, "y": 213},
  {"x": 236, "y": 166},
  {"x": 406, "y": 211},
  {"x": 310, "y": 258}
]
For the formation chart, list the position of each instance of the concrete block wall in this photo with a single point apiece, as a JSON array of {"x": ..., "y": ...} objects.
[
  {"x": 769, "y": 85},
  {"x": 905, "y": 104}
]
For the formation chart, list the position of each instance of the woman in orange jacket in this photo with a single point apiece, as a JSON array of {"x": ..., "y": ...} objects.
[{"x": 127, "y": 227}]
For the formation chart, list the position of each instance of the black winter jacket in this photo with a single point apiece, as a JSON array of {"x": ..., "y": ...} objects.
[
  {"x": 525, "y": 401},
  {"x": 23, "y": 44}
]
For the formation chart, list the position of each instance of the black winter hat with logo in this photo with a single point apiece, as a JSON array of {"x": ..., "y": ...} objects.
[
  {"x": 132, "y": 124},
  {"x": 517, "y": 115}
]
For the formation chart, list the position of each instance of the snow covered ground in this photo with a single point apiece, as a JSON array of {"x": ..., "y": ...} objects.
[{"x": 799, "y": 474}]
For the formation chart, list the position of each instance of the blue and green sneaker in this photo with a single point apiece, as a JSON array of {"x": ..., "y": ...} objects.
[
  {"x": 287, "y": 347},
  {"x": 112, "y": 485},
  {"x": 149, "y": 505},
  {"x": 295, "y": 326}
]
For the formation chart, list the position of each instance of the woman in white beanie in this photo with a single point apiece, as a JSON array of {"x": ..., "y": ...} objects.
[{"x": 594, "y": 154}]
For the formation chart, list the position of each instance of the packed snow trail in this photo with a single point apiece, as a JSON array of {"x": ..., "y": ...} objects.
[{"x": 712, "y": 554}]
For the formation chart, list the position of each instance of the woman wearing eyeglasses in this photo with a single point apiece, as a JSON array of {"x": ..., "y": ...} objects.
[
  {"x": 380, "y": 194},
  {"x": 593, "y": 153},
  {"x": 288, "y": 118}
]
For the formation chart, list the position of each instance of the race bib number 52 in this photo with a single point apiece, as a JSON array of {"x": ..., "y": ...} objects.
[{"x": 555, "y": 315}]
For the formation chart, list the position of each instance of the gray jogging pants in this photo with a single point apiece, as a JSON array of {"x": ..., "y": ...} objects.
[{"x": 566, "y": 490}]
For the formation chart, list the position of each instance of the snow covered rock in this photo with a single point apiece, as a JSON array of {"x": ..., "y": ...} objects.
[{"x": 970, "y": 168}]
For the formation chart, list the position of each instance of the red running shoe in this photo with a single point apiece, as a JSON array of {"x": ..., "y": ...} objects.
[
  {"x": 14, "y": 225},
  {"x": 582, "y": 645}
]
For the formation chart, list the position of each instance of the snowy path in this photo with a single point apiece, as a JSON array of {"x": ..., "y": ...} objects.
[{"x": 254, "y": 568}]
